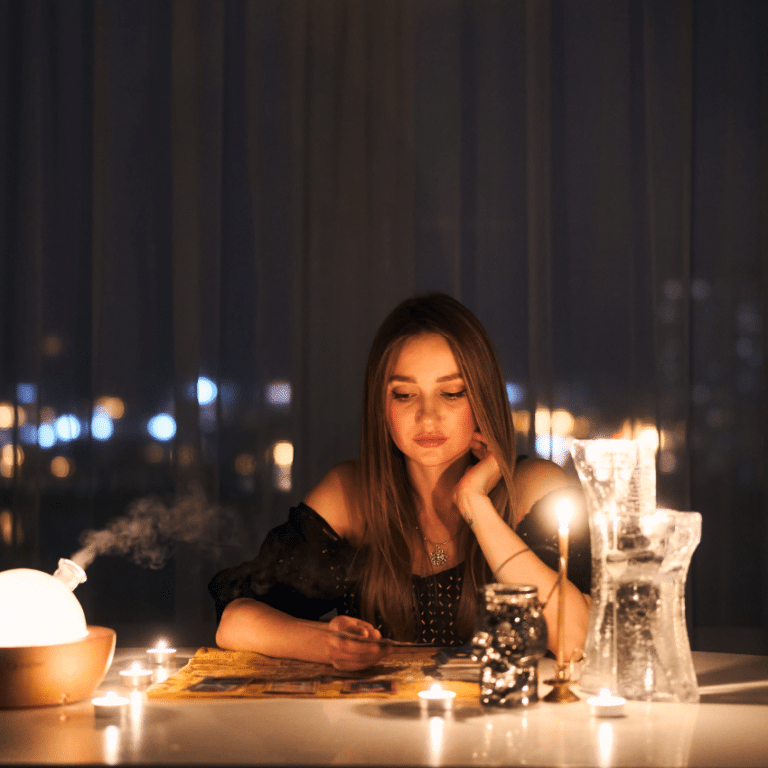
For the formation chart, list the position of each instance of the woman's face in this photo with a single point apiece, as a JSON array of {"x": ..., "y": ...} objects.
[{"x": 428, "y": 412}]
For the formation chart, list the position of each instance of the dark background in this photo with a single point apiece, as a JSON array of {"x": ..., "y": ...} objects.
[{"x": 241, "y": 190}]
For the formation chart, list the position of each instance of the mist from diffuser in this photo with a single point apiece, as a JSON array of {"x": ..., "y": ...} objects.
[
  {"x": 39, "y": 609},
  {"x": 151, "y": 531}
]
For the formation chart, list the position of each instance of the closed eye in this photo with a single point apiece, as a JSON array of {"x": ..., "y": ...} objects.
[
  {"x": 401, "y": 395},
  {"x": 455, "y": 395}
]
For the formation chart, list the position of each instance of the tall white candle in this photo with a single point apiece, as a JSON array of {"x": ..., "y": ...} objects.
[{"x": 564, "y": 511}]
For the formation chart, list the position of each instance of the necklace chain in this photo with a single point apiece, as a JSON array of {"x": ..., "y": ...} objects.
[{"x": 438, "y": 555}]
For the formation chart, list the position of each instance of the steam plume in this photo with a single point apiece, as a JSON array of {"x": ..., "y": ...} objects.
[{"x": 151, "y": 531}]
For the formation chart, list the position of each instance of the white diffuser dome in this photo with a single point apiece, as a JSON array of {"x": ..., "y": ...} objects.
[{"x": 38, "y": 609}]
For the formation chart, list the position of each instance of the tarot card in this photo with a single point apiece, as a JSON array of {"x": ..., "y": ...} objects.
[
  {"x": 300, "y": 687},
  {"x": 369, "y": 686},
  {"x": 219, "y": 684}
]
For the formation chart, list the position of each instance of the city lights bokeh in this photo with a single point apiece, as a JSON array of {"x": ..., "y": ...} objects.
[{"x": 26, "y": 423}]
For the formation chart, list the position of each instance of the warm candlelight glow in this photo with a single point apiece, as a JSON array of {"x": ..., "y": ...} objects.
[
  {"x": 109, "y": 698},
  {"x": 136, "y": 676},
  {"x": 110, "y": 705},
  {"x": 161, "y": 653},
  {"x": 560, "y": 692},
  {"x": 564, "y": 511},
  {"x": 606, "y": 704},
  {"x": 436, "y": 698}
]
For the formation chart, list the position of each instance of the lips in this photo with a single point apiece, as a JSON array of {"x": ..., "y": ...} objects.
[{"x": 430, "y": 441}]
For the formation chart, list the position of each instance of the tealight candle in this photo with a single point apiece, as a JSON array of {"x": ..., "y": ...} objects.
[
  {"x": 110, "y": 706},
  {"x": 606, "y": 705},
  {"x": 435, "y": 698},
  {"x": 161, "y": 654},
  {"x": 135, "y": 676}
]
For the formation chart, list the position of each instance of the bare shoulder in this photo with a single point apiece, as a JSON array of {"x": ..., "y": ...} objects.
[
  {"x": 534, "y": 479},
  {"x": 334, "y": 498}
]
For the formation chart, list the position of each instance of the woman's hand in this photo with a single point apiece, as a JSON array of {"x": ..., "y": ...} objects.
[
  {"x": 345, "y": 653},
  {"x": 480, "y": 478}
]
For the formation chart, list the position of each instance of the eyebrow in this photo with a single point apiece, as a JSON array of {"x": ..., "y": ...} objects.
[{"x": 411, "y": 380}]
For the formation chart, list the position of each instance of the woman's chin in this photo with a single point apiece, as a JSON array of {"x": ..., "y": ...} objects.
[{"x": 435, "y": 459}]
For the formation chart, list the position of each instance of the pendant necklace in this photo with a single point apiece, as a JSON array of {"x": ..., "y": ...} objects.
[{"x": 438, "y": 555}]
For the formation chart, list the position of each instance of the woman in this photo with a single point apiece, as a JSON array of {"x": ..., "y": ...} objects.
[{"x": 399, "y": 541}]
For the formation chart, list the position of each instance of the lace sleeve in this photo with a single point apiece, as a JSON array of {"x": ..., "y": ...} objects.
[{"x": 303, "y": 568}]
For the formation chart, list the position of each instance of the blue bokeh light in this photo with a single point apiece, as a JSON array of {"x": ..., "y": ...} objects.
[
  {"x": 26, "y": 393},
  {"x": 162, "y": 427},
  {"x": 46, "y": 436},
  {"x": 515, "y": 393},
  {"x": 206, "y": 391},
  {"x": 101, "y": 426},
  {"x": 67, "y": 428},
  {"x": 28, "y": 433},
  {"x": 555, "y": 447}
]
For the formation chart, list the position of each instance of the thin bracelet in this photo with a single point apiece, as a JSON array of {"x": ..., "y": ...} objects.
[
  {"x": 551, "y": 592},
  {"x": 509, "y": 560}
]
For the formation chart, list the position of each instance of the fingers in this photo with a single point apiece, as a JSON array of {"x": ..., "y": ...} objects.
[
  {"x": 350, "y": 655},
  {"x": 478, "y": 441},
  {"x": 354, "y": 626},
  {"x": 483, "y": 476},
  {"x": 478, "y": 446}
]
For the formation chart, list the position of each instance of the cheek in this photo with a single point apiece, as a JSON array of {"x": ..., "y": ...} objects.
[
  {"x": 394, "y": 424},
  {"x": 467, "y": 420}
]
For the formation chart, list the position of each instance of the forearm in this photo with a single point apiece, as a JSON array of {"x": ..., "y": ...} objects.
[
  {"x": 248, "y": 625},
  {"x": 512, "y": 562}
]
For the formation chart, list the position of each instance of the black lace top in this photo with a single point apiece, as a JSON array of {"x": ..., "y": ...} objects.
[{"x": 306, "y": 569}]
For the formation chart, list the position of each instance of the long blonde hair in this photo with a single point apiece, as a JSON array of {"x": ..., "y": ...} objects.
[{"x": 387, "y": 498}]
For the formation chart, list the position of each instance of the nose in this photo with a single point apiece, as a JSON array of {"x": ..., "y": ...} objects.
[{"x": 429, "y": 411}]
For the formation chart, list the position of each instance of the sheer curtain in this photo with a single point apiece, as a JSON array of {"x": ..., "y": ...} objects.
[{"x": 211, "y": 205}]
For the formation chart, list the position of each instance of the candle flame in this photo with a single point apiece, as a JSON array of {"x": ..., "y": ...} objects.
[{"x": 564, "y": 511}]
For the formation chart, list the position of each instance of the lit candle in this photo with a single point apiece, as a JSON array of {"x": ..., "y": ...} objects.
[
  {"x": 564, "y": 513},
  {"x": 606, "y": 705},
  {"x": 110, "y": 706},
  {"x": 135, "y": 676},
  {"x": 161, "y": 653},
  {"x": 436, "y": 699}
]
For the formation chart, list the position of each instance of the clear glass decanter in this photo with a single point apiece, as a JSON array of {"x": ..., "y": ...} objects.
[{"x": 637, "y": 642}]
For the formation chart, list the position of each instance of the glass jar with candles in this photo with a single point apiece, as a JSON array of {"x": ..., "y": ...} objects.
[{"x": 509, "y": 640}]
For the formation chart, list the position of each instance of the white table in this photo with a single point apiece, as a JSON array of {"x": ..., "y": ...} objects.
[{"x": 729, "y": 727}]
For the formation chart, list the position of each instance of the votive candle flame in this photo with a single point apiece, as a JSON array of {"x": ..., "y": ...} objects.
[
  {"x": 136, "y": 676},
  {"x": 436, "y": 698},
  {"x": 161, "y": 653},
  {"x": 606, "y": 704},
  {"x": 110, "y": 705}
]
